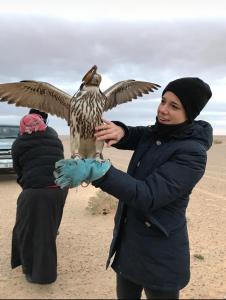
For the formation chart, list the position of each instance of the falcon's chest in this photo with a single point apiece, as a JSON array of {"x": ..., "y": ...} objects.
[{"x": 86, "y": 110}]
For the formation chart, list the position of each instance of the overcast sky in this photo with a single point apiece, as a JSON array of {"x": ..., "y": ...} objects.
[{"x": 158, "y": 41}]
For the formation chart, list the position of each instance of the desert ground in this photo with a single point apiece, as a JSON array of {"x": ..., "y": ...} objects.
[{"x": 84, "y": 238}]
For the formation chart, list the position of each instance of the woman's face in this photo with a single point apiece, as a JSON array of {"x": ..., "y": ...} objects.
[{"x": 170, "y": 110}]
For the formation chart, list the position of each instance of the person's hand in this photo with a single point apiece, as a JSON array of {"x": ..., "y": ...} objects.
[
  {"x": 72, "y": 172},
  {"x": 109, "y": 132}
]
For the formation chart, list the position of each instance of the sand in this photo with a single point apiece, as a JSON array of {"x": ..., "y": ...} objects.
[{"x": 84, "y": 239}]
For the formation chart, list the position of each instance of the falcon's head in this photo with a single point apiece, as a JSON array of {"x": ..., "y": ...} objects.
[{"x": 92, "y": 77}]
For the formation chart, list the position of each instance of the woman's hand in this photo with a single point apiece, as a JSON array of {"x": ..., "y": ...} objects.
[{"x": 109, "y": 132}]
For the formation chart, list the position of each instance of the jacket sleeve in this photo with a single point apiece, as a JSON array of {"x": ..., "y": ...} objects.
[
  {"x": 131, "y": 138},
  {"x": 172, "y": 180}
]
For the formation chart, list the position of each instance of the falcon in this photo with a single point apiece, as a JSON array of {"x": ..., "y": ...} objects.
[{"x": 83, "y": 111}]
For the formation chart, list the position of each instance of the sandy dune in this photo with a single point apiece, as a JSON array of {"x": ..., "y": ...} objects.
[{"x": 84, "y": 239}]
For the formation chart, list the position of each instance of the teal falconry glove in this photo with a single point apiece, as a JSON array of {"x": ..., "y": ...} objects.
[{"x": 72, "y": 172}]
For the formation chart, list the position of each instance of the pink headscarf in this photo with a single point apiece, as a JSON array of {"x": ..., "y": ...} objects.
[{"x": 32, "y": 123}]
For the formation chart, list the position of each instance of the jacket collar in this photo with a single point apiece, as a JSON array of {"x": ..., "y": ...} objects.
[{"x": 201, "y": 131}]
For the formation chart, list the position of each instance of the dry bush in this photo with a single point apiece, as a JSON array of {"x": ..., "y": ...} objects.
[
  {"x": 199, "y": 256},
  {"x": 217, "y": 141},
  {"x": 102, "y": 203}
]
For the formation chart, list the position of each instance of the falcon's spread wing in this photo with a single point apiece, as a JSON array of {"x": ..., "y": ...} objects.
[
  {"x": 36, "y": 94},
  {"x": 124, "y": 91}
]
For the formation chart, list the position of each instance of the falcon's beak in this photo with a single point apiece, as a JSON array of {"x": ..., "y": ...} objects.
[{"x": 89, "y": 75}]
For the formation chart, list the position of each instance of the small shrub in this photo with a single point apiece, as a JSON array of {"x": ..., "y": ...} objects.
[
  {"x": 199, "y": 256},
  {"x": 102, "y": 203},
  {"x": 217, "y": 141}
]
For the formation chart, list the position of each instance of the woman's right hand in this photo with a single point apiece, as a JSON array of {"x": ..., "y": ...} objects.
[{"x": 109, "y": 132}]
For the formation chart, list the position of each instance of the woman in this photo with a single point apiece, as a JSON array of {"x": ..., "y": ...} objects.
[
  {"x": 150, "y": 239},
  {"x": 40, "y": 204}
]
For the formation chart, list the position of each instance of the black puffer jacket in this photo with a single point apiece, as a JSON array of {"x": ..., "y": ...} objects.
[
  {"x": 34, "y": 156},
  {"x": 150, "y": 239}
]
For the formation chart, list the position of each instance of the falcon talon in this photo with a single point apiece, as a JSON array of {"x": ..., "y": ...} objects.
[{"x": 76, "y": 156}]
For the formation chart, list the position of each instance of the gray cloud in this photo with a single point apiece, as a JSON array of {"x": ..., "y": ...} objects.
[
  {"x": 52, "y": 48},
  {"x": 60, "y": 51}
]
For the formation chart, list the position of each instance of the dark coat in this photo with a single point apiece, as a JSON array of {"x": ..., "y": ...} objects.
[
  {"x": 39, "y": 205},
  {"x": 150, "y": 239},
  {"x": 34, "y": 156}
]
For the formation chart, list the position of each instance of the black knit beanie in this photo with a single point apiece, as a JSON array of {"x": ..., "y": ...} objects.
[
  {"x": 193, "y": 93},
  {"x": 38, "y": 112}
]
